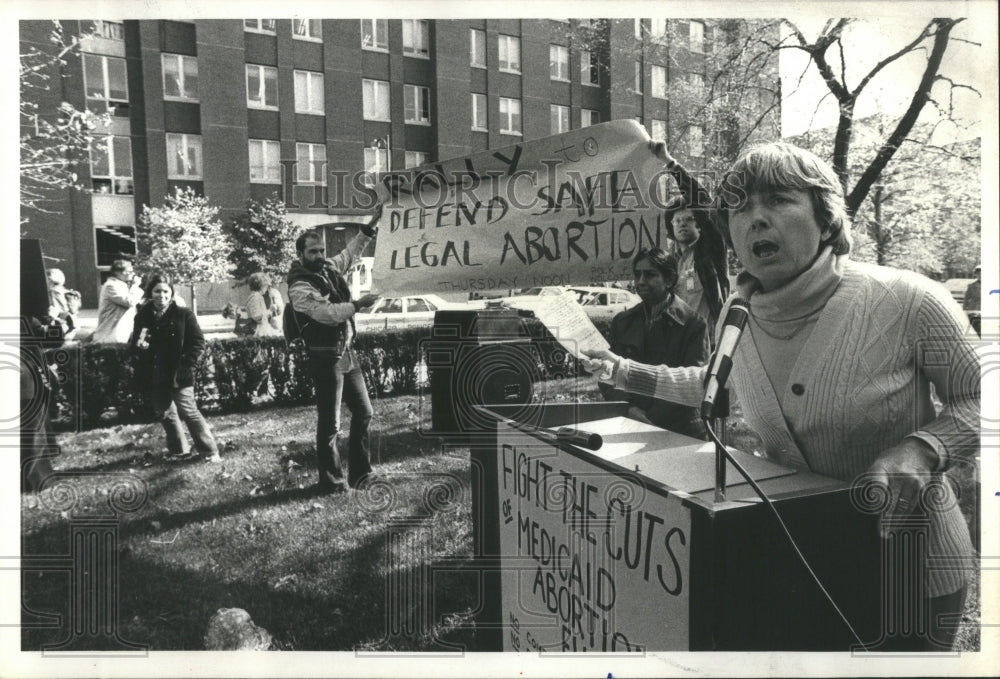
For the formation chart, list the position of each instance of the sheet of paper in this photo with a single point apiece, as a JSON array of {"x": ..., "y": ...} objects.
[{"x": 566, "y": 320}]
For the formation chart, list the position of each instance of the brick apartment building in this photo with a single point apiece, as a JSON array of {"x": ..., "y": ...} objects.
[{"x": 226, "y": 106}]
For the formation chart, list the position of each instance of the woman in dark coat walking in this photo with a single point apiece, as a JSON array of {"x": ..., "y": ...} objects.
[{"x": 166, "y": 343}]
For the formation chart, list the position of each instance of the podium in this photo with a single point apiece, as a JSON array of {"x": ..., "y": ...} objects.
[{"x": 624, "y": 549}]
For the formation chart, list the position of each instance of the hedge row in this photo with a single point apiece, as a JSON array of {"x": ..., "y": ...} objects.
[{"x": 97, "y": 386}]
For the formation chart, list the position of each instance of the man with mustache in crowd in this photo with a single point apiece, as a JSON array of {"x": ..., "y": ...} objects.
[{"x": 324, "y": 313}]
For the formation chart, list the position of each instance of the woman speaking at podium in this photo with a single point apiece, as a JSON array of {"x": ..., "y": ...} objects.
[{"x": 835, "y": 367}]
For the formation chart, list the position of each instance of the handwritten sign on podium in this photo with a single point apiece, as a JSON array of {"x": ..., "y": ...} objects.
[{"x": 625, "y": 550}]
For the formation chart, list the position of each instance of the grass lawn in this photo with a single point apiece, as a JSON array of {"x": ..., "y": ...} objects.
[{"x": 315, "y": 570}]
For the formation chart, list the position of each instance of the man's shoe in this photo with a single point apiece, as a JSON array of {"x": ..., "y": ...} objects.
[
  {"x": 366, "y": 480},
  {"x": 330, "y": 487},
  {"x": 215, "y": 457}
]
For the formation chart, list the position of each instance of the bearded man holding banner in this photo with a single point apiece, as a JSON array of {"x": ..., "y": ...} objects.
[
  {"x": 323, "y": 311},
  {"x": 835, "y": 367}
]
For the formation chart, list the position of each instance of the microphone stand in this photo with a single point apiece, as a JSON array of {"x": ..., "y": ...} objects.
[{"x": 720, "y": 411}]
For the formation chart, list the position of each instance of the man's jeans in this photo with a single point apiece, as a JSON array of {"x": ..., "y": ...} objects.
[
  {"x": 167, "y": 404},
  {"x": 332, "y": 388}
]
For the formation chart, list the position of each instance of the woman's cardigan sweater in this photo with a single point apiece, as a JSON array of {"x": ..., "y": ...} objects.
[{"x": 860, "y": 385}]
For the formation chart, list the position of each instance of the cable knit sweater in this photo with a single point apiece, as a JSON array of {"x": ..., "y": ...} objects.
[{"x": 860, "y": 385}]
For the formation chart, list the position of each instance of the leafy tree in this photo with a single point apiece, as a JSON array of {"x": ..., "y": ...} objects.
[
  {"x": 923, "y": 214},
  {"x": 53, "y": 141},
  {"x": 263, "y": 239},
  {"x": 184, "y": 239}
]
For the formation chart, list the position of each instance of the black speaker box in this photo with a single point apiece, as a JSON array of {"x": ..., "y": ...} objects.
[
  {"x": 34, "y": 283},
  {"x": 477, "y": 357}
]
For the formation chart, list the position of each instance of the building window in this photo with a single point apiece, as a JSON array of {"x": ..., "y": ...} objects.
[
  {"x": 416, "y": 38},
  {"x": 375, "y": 34},
  {"x": 589, "y": 68},
  {"x": 309, "y": 92},
  {"x": 259, "y": 25},
  {"x": 696, "y": 36},
  {"x": 697, "y": 82},
  {"x": 265, "y": 165},
  {"x": 183, "y": 156},
  {"x": 262, "y": 86},
  {"x": 105, "y": 83},
  {"x": 479, "y": 119},
  {"x": 307, "y": 29},
  {"x": 109, "y": 30},
  {"x": 696, "y": 141},
  {"x": 375, "y": 99},
  {"x": 658, "y": 29},
  {"x": 638, "y": 28},
  {"x": 659, "y": 131},
  {"x": 637, "y": 88},
  {"x": 477, "y": 48},
  {"x": 113, "y": 242},
  {"x": 559, "y": 119},
  {"x": 111, "y": 165},
  {"x": 510, "y": 116},
  {"x": 376, "y": 162},
  {"x": 416, "y": 105},
  {"x": 659, "y": 77},
  {"x": 180, "y": 77},
  {"x": 510, "y": 53},
  {"x": 415, "y": 158},
  {"x": 589, "y": 117},
  {"x": 558, "y": 62},
  {"x": 310, "y": 164}
]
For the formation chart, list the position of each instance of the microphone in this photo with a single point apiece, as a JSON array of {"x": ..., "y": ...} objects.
[{"x": 722, "y": 361}]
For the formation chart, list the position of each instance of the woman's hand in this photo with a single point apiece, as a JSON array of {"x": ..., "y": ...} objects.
[
  {"x": 904, "y": 469},
  {"x": 659, "y": 149},
  {"x": 602, "y": 363}
]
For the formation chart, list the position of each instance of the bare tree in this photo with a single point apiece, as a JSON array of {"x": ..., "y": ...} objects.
[
  {"x": 53, "y": 141},
  {"x": 831, "y": 57}
]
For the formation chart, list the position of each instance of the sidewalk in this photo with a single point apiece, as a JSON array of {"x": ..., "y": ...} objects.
[{"x": 211, "y": 324}]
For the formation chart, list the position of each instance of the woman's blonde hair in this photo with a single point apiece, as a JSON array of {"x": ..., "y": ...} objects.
[
  {"x": 780, "y": 165},
  {"x": 259, "y": 282}
]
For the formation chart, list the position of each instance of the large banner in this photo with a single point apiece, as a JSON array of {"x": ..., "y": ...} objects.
[{"x": 569, "y": 209}]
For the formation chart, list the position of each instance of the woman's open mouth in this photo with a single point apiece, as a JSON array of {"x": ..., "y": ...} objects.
[{"x": 764, "y": 249}]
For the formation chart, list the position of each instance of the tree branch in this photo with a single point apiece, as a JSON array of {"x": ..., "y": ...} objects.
[
  {"x": 920, "y": 97},
  {"x": 893, "y": 57}
]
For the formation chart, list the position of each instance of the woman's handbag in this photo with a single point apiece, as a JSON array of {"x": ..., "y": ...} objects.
[{"x": 245, "y": 327}]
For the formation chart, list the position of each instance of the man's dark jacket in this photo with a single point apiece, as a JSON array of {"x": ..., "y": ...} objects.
[
  {"x": 330, "y": 284},
  {"x": 175, "y": 345},
  {"x": 677, "y": 337}
]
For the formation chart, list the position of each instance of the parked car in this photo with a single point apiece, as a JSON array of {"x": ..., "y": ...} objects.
[
  {"x": 408, "y": 310},
  {"x": 601, "y": 303}
]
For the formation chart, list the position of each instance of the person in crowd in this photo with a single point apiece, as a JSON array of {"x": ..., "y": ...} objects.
[
  {"x": 834, "y": 369},
  {"x": 117, "y": 303},
  {"x": 971, "y": 302},
  {"x": 63, "y": 302},
  {"x": 166, "y": 344},
  {"x": 324, "y": 312},
  {"x": 661, "y": 330},
  {"x": 264, "y": 305},
  {"x": 702, "y": 261}
]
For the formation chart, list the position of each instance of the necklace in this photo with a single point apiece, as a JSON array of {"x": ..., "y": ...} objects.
[{"x": 801, "y": 321}]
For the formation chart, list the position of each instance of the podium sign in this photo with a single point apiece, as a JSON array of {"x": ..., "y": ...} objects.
[
  {"x": 625, "y": 550},
  {"x": 590, "y": 557}
]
